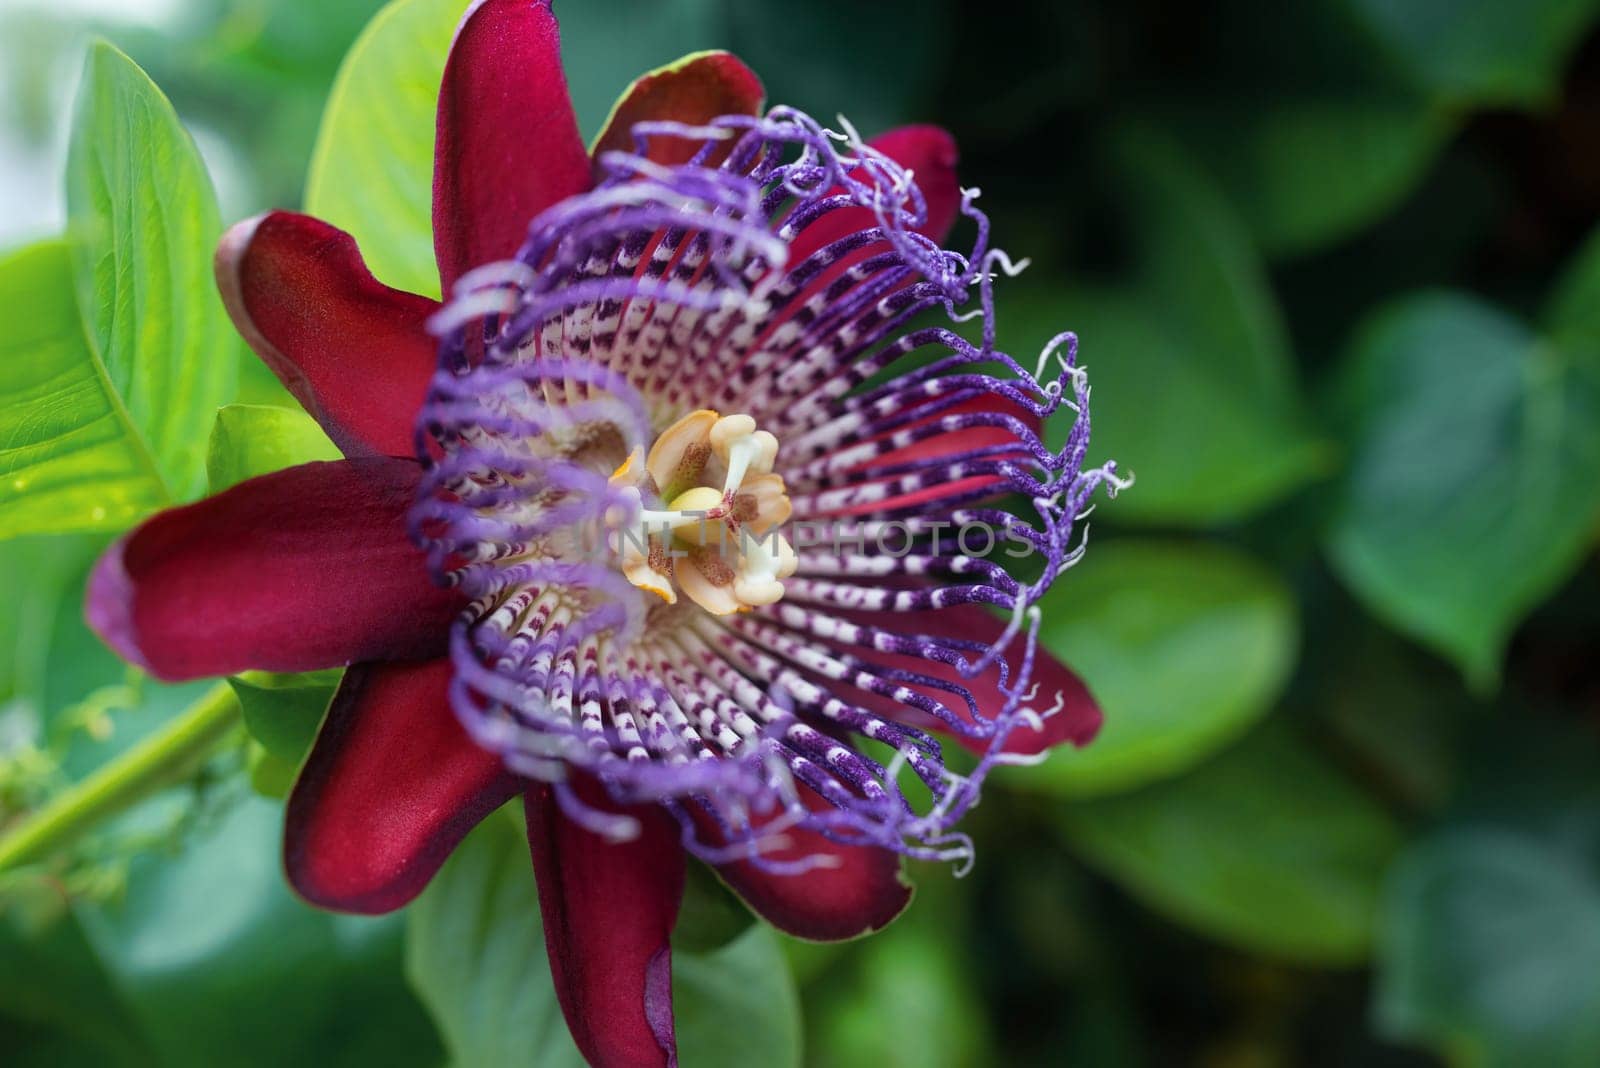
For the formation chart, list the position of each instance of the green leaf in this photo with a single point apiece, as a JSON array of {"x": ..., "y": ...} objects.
[
  {"x": 475, "y": 954},
  {"x": 711, "y": 915},
  {"x": 271, "y": 776},
  {"x": 1303, "y": 170},
  {"x": 924, "y": 985},
  {"x": 1184, "y": 644},
  {"x": 1474, "y": 481},
  {"x": 1572, "y": 313},
  {"x": 916, "y": 973},
  {"x": 1198, "y": 401},
  {"x": 1265, "y": 847},
  {"x": 1489, "y": 944},
  {"x": 249, "y": 440},
  {"x": 283, "y": 712},
  {"x": 1196, "y": 257},
  {"x": 108, "y": 384},
  {"x": 1482, "y": 52},
  {"x": 1303, "y": 120},
  {"x": 38, "y": 574},
  {"x": 1202, "y": 450},
  {"x": 737, "y": 1005},
  {"x": 221, "y": 964},
  {"x": 71, "y": 455},
  {"x": 379, "y": 124},
  {"x": 144, "y": 220}
]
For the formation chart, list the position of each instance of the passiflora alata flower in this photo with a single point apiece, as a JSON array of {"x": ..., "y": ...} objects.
[{"x": 680, "y": 518}]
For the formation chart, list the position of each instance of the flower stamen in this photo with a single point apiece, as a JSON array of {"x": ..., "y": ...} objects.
[{"x": 720, "y": 545}]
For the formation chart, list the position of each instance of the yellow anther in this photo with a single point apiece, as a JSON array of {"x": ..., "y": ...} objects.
[
  {"x": 699, "y": 499},
  {"x": 698, "y": 528}
]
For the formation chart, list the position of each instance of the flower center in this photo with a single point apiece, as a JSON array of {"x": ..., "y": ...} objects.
[
  {"x": 709, "y": 509},
  {"x": 790, "y": 281}
]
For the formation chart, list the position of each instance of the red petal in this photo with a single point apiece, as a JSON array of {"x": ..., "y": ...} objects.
[
  {"x": 1077, "y": 722},
  {"x": 353, "y": 351},
  {"x": 608, "y": 911},
  {"x": 931, "y": 154},
  {"x": 693, "y": 91},
  {"x": 507, "y": 145},
  {"x": 391, "y": 785},
  {"x": 301, "y": 569},
  {"x": 860, "y": 894}
]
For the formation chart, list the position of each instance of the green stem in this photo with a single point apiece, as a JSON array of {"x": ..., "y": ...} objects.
[{"x": 155, "y": 762}]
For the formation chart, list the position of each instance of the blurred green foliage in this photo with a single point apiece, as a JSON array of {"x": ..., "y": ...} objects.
[
  {"x": 1188, "y": 644},
  {"x": 1330, "y": 267}
]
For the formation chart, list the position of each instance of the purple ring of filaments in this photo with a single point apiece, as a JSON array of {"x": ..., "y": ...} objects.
[{"x": 667, "y": 289}]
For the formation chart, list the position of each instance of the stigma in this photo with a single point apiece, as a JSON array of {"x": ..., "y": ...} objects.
[{"x": 705, "y": 514}]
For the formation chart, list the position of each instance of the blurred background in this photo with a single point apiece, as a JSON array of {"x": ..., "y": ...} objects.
[{"x": 1331, "y": 267}]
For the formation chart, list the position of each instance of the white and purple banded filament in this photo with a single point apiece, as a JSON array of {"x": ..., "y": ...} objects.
[{"x": 671, "y": 289}]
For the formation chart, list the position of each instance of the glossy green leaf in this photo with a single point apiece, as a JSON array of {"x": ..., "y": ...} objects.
[
  {"x": 711, "y": 915},
  {"x": 1200, "y": 449},
  {"x": 1265, "y": 846},
  {"x": 1194, "y": 392},
  {"x": 1303, "y": 170},
  {"x": 475, "y": 954},
  {"x": 923, "y": 984},
  {"x": 1195, "y": 256},
  {"x": 283, "y": 712},
  {"x": 270, "y": 775},
  {"x": 914, "y": 972},
  {"x": 221, "y": 964},
  {"x": 737, "y": 1005},
  {"x": 144, "y": 222},
  {"x": 109, "y": 383},
  {"x": 379, "y": 124},
  {"x": 38, "y": 575},
  {"x": 1489, "y": 944},
  {"x": 1474, "y": 477},
  {"x": 252, "y": 439},
  {"x": 1183, "y": 644},
  {"x": 1484, "y": 52},
  {"x": 71, "y": 455}
]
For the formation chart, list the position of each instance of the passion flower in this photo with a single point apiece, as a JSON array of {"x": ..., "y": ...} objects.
[{"x": 662, "y": 520}]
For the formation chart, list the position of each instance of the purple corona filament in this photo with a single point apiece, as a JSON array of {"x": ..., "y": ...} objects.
[{"x": 667, "y": 290}]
